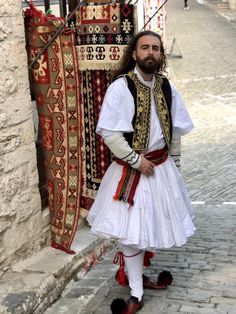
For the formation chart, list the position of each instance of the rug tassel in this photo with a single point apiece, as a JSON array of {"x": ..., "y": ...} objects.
[{"x": 62, "y": 248}]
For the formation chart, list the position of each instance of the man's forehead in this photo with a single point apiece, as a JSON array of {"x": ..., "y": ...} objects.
[{"x": 149, "y": 40}]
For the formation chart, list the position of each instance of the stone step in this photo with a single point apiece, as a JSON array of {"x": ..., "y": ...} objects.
[
  {"x": 223, "y": 7},
  {"x": 35, "y": 283}
]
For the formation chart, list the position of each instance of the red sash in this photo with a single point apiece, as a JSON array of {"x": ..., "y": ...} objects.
[{"x": 130, "y": 177}]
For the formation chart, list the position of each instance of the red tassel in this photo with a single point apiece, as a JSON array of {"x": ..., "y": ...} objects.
[
  {"x": 62, "y": 248},
  {"x": 147, "y": 257},
  {"x": 121, "y": 276}
]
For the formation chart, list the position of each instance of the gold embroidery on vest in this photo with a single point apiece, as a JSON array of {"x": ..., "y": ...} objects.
[
  {"x": 162, "y": 109},
  {"x": 143, "y": 115}
]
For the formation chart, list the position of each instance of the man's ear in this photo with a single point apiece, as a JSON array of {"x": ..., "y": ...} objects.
[{"x": 134, "y": 55}]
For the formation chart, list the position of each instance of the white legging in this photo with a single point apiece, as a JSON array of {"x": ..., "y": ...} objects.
[{"x": 134, "y": 267}]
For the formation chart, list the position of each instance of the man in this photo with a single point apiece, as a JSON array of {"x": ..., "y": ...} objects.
[
  {"x": 142, "y": 200},
  {"x": 186, "y": 7}
]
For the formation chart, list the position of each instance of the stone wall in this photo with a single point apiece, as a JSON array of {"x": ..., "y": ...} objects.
[
  {"x": 24, "y": 227},
  {"x": 232, "y": 4}
]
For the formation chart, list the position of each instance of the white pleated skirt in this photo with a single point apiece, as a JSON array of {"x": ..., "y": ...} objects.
[{"x": 161, "y": 216}]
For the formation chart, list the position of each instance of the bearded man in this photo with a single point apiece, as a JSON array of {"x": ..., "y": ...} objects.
[{"x": 142, "y": 200}]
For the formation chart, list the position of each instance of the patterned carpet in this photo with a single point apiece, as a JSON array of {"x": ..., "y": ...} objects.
[
  {"x": 69, "y": 81},
  {"x": 55, "y": 84}
]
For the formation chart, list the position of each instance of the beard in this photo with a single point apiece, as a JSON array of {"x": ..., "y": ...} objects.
[{"x": 148, "y": 65}]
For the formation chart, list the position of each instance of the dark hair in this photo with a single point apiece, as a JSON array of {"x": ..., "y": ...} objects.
[{"x": 127, "y": 62}]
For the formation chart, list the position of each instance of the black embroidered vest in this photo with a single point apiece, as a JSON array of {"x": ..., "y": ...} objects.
[{"x": 139, "y": 139}]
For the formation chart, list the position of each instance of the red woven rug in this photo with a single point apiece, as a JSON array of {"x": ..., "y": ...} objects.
[
  {"x": 103, "y": 32},
  {"x": 96, "y": 155},
  {"x": 158, "y": 22},
  {"x": 75, "y": 156},
  {"x": 55, "y": 81}
]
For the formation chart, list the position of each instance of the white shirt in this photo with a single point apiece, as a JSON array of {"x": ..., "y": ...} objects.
[{"x": 118, "y": 110}]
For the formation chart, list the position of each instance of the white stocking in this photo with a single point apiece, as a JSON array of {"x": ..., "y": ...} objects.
[{"x": 134, "y": 266}]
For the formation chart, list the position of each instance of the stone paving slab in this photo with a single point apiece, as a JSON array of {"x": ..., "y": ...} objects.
[
  {"x": 206, "y": 78},
  {"x": 204, "y": 272}
]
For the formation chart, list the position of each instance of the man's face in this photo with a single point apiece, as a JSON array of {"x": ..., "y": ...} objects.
[{"x": 148, "y": 54}]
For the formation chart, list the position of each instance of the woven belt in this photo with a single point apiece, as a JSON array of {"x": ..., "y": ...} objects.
[{"x": 130, "y": 177}]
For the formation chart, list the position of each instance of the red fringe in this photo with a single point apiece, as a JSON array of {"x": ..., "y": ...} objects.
[
  {"x": 121, "y": 183},
  {"x": 133, "y": 188}
]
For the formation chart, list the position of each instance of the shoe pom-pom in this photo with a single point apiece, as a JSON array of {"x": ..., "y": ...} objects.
[
  {"x": 118, "y": 306},
  {"x": 165, "y": 278}
]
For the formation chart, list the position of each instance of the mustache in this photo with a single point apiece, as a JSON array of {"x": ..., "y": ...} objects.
[{"x": 150, "y": 58}]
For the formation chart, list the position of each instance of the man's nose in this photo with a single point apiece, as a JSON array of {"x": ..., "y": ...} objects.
[{"x": 150, "y": 51}]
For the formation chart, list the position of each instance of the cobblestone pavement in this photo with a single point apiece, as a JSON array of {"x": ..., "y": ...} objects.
[
  {"x": 204, "y": 269},
  {"x": 206, "y": 77}
]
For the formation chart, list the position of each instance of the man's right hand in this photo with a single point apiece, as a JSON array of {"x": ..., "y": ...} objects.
[{"x": 147, "y": 167}]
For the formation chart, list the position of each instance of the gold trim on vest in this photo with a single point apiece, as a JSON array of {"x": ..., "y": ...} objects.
[{"x": 143, "y": 115}]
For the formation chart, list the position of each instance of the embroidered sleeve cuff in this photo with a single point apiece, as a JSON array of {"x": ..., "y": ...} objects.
[
  {"x": 176, "y": 159},
  {"x": 135, "y": 161}
]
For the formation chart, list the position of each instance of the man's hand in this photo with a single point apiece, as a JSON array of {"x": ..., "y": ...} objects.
[{"x": 147, "y": 167}]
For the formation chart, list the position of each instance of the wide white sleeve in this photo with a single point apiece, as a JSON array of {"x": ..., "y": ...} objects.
[
  {"x": 120, "y": 148},
  {"x": 117, "y": 109},
  {"x": 175, "y": 150},
  {"x": 182, "y": 123}
]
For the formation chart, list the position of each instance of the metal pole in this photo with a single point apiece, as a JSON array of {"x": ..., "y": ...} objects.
[
  {"x": 154, "y": 14},
  {"x": 63, "y": 10},
  {"x": 72, "y": 4},
  {"x": 46, "y": 5}
]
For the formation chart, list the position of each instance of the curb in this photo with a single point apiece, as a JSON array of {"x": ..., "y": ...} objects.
[{"x": 34, "y": 284}]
